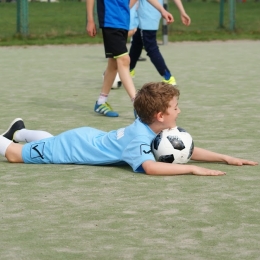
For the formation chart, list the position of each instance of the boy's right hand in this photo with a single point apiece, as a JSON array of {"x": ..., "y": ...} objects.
[
  {"x": 206, "y": 172},
  {"x": 91, "y": 29},
  {"x": 167, "y": 16}
]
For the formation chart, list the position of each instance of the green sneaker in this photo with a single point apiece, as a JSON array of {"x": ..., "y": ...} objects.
[
  {"x": 171, "y": 81},
  {"x": 105, "y": 109},
  {"x": 132, "y": 73}
]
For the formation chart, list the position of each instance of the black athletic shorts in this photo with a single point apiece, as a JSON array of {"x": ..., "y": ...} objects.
[{"x": 114, "y": 42}]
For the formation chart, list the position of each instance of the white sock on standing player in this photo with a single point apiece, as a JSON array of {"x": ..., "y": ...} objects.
[{"x": 102, "y": 98}]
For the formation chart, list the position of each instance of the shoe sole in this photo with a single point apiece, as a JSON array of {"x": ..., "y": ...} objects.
[{"x": 10, "y": 126}]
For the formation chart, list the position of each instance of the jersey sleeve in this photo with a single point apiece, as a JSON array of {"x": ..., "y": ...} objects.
[{"x": 137, "y": 152}]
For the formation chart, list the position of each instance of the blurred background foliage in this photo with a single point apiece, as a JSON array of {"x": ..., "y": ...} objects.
[{"x": 64, "y": 22}]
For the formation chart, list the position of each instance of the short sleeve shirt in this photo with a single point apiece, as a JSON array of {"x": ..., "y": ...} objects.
[
  {"x": 113, "y": 13},
  {"x": 86, "y": 145},
  {"x": 149, "y": 16}
]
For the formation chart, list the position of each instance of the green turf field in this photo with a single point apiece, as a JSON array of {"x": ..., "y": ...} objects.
[{"x": 86, "y": 212}]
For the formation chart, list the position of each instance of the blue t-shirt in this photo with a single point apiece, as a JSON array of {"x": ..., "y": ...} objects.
[
  {"x": 86, "y": 145},
  {"x": 149, "y": 16},
  {"x": 113, "y": 13}
]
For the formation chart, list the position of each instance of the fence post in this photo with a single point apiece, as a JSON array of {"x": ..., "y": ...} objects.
[
  {"x": 165, "y": 26},
  {"x": 22, "y": 17},
  {"x": 232, "y": 11},
  {"x": 221, "y": 13}
]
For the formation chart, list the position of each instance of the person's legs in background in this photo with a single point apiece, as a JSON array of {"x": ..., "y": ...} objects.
[
  {"x": 152, "y": 49},
  {"x": 135, "y": 50}
]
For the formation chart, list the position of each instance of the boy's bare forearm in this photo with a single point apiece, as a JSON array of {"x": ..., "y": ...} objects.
[
  {"x": 90, "y": 10},
  {"x": 132, "y": 3},
  {"x": 156, "y": 4},
  {"x": 179, "y": 5},
  {"x": 168, "y": 169},
  {"x": 200, "y": 154}
]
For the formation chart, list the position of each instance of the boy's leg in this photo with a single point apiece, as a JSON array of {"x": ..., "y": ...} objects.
[
  {"x": 110, "y": 37},
  {"x": 27, "y": 136},
  {"x": 11, "y": 150},
  {"x": 116, "y": 51},
  {"x": 123, "y": 71},
  {"x": 135, "y": 50},
  {"x": 14, "y": 153},
  {"x": 101, "y": 106},
  {"x": 152, "y": 49},
  {"x": 109, "y": 76},
  {"x": 16, "y": 132}
]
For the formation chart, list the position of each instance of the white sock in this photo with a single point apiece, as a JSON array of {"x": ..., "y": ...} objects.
[
  {"x": 4, "y": 143},
  {"x": 102, "y": 99},
  {"x": 27, "y": 136}
]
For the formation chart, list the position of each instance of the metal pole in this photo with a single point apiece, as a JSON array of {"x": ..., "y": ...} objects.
[
  {"x": 165, "y": 26},
  {"x": 221, "y": 13},
  {"x": 22, "y": 17},
  {"x": 232, "y": 6}
]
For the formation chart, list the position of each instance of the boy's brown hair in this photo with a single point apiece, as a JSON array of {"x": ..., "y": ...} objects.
[{"x": 152, "y": 98}]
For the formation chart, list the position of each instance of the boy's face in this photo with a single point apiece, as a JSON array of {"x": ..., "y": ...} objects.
[{"x": 170, "y": 117}]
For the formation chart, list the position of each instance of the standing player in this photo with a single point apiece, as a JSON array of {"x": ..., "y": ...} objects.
[
  {"x": 145, "y": 37},
  {"x": 134, "y": 21},
  {"x": 114, "y": 18}
]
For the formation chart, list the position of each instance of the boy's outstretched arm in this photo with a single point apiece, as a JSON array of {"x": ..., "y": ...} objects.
[
  {"x": 200, "y": 154},
  {"x": 167, "y": 169}
]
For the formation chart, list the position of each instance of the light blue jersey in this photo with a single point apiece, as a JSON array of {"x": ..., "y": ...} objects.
[
  {"x": 149, "y": 16},
  {"x": 134, "y": 21},
  {"x": 86, "y": 145}
]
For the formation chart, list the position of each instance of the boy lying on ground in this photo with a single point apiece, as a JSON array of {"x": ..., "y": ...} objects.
[{"x": 157, "y": 107}]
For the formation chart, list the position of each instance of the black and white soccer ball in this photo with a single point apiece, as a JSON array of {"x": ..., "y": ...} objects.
[
  {"x": 117, "y": 82},
  {"x": 173, "y": 145}
]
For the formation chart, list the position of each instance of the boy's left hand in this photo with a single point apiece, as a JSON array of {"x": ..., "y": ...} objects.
[
  {"x": 185, "y": 19},
  {"x": 239, "y": 162}
]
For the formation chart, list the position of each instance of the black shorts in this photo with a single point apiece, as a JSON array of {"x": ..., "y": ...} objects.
[{"x": 115, "y": 41}]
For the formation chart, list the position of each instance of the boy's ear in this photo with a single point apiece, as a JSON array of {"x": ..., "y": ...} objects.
[{"x": 159, "y": 116}]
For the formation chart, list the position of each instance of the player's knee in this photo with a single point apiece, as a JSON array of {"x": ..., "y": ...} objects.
[
  {"x": 10, "y": 157},
  {"x": 124, "y": 60},
  {"x": 14, "y": 153},
  {"x": 151, "y": 50}
]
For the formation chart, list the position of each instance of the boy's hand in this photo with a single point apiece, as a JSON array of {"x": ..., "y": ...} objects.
[
  {"x": 91, "y": 29},
  {"x": 185, "y": 19},
  {"x": 239, "y": 162},
  {"x": 167, "y": 16},
  {"x": 206, "y": 172}
]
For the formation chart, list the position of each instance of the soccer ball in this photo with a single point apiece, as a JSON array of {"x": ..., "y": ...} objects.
[
  {"x": 173, "y": 145},
  {"x": 117, "y": 82}
]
